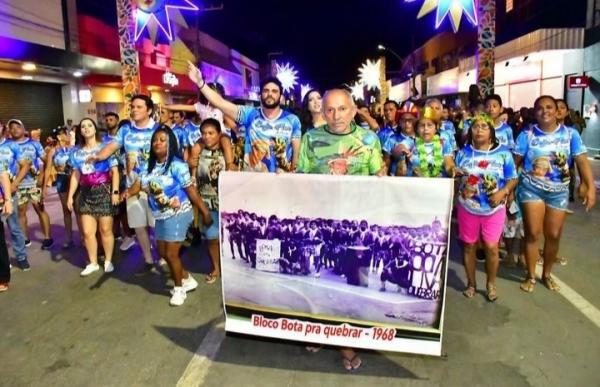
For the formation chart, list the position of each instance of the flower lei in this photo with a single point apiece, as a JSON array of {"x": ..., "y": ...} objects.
[{"x": 435, "y": 169}]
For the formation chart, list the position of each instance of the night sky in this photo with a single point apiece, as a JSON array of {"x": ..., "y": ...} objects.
[{"x": 327, "y": 40}]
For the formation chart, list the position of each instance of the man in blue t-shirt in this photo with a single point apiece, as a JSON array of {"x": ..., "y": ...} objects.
[
  {"x": 31, "y": 188},
  {"x": 272, "y": 134},
  {"x": 504, "y": 133}
]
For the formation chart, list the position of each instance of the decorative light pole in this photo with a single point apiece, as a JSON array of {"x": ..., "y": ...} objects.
[
  {"x": 486, "y": 43},
  {"x": 130, "y": 66}
]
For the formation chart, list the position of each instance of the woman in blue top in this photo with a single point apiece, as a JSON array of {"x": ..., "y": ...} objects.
[
  {"x": 98, "y": 194},
  {"x": 59, "y": 157},
  {"x": 168, "y": 182},
  {"x": 545, "y": 152},
  {"x": 488, "y": 176}
]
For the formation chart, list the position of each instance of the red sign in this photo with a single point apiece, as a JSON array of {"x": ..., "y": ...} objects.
[{"x": 579, "y": 82}]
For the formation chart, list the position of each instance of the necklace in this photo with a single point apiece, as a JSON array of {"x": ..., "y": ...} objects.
[{"x": 427, "y": 169}]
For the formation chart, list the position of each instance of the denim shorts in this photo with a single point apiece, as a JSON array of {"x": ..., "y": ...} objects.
[
  {"x": 212, "y": 232},
  {"x": 62, "y": 183},
  {"x": 528, "y": 192},
  {"x": 173, "y": 229}
]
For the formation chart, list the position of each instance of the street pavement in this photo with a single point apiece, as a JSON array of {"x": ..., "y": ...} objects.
[{"x": 58, "y": 329}]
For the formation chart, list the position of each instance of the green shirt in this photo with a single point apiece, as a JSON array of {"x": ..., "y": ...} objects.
[{"x": 354, "y": 153}]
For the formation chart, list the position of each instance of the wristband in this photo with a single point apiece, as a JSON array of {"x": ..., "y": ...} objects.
[
  {"x": 115, "y": 192},
  {"x": 203, "y": 84}
]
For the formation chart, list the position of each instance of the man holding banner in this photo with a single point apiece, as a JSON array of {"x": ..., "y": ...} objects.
[{"x": 341, "y": 148}]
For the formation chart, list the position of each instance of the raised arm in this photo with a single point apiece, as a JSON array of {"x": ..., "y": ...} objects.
[
  {"x": 212, "y": 96},
  {"x": 185, "y": 108}
]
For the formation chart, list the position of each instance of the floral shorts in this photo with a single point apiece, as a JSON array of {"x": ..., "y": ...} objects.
[{"x": 29, "y": 194}]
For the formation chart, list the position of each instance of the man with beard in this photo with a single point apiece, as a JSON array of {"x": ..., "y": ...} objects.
[{"x": 272, "y": 134}]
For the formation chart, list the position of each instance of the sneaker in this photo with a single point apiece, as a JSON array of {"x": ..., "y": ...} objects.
[
  {"x": 127, "y": 243},
  {"x": 27, "y": 242},
  {"x": 47, "y": 244},
  {"x": 188, "y": 284},
  {"x": 108, "y": 267},
  {"x": 178, "y": 297},
  {"x": 24, "y": 265},
  {"x": 3, "y": 286},
  {"x": 89, "y": 269}
]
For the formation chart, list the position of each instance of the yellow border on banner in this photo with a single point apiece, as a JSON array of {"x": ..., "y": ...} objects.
[{"x": 321, "y": 317}]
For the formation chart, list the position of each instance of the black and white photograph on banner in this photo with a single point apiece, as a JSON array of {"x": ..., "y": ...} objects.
[{"x": 328, "y": 249}]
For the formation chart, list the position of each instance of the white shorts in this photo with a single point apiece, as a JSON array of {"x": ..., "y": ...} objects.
[{"x": 138, "y": 212}]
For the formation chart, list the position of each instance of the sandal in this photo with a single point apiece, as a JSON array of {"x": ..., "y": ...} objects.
[
  {"x": 469, "y": 292},
  {"x": 351, "y": 364},
  {"x": 211, "y": 278},
  {"x": 491, "y": 292},
  {"x": 562, "y": 261},
  {"x": 528, "y": 285},
  {"x": 550, "y": 283}
]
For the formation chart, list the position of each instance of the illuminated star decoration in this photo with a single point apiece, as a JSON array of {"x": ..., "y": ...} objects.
[
  {"x": 369, "y": 74},
  {"x": 358, "y": 91},
  {"x": 453, "y": 7},
  {"x": 287, "y": 75},
  {"x": 153, "y": 15},
  {"x": 304, "y": 89}
]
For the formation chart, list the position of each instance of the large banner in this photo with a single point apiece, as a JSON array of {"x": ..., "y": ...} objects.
[{"x": 351, "y": 261}]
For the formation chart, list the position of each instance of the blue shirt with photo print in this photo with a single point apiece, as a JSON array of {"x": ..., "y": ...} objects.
[
  {"x": 32, "y": 151},
  {"x": 78, "y": 156},
  {"x": 268, "y": 146},
  {"x": 391, "y": 143},
  {"x": 448, "y": 131},
  {"x": 166, "y": 189},
  {"x": 10, "y": 156},
  {"x": 61, "y": 160},
  {"x": 547, "y": 156},
  {"x": 504, "y": 134},
  {"x": 484, "y": 173},
  {"x": 136, "y": 143}
]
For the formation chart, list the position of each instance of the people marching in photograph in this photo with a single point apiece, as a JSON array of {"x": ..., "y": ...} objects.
[
  {"x": 98, "y": 197},
  {"x": 171, "y": 193}
]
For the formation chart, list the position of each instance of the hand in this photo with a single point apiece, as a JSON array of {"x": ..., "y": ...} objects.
[
  {"x": 115, "y": 199},
  {"x": 92, "y": 159},
  {"x": 125, "y": 195},
  {"x": 195, "y": 74},
  {"x": 498, "y": 197},
  {"x": 206, "y": 219},
  {"x": 589, "y": 201},
  {"x": 582, "y": 191},
  {"x": 70, "y": 203},
  {"x": 8, "y": 207}
]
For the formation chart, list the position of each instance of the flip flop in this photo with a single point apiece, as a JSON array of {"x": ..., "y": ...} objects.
[
  {"x": 211, "y": 278},
  {"x": 350, "y": 364}
]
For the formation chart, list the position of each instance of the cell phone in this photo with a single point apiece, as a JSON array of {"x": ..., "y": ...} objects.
[{"x": 514, "y": 208}]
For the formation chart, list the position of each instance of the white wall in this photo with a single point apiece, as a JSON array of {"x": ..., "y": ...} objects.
[
  {"x": 36, "y": 21},
  {"x": 74, "y": 109}
]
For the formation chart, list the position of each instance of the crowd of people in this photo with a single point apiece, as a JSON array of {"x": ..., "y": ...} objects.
[{"x": 157, "y": 171}]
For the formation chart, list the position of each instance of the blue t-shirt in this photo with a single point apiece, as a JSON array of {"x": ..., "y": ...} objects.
[
  {"x": 136, "y": 143},
  {"x": 485, "y": 173},
  {"x": 166, "y": 188},
  {"x": 547, "y": 156},
  {"x": 10, "y": 156},
  {"x": 448, "y": 131},
  {"x": 414, "y": 164},
  {"x": 504, "y": 134},
  {"x": 78, "y": 156},
  {"x": 31, "y": 150},
  {"x": 388, "y": 147},
  {"x": 268, "y": 146},
  {"x": 61, "y": 160},
  {"x": 385, "y": 133}
]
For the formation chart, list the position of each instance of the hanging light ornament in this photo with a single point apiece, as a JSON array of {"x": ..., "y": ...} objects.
[
  {"x": 287, "y": 75},
  {"x": 369, "y": 74},
  {"x": 358, "y": 91},
  {"x": 304, "y": 89},
  {"x": 455, "y": 8}
]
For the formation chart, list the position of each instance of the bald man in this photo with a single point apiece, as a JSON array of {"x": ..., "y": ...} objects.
[{"x": 341, "y": 147}]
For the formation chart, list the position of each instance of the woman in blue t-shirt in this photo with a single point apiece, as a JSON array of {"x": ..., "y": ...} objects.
[
  {"x": 545, "y": 152},
  {"x": 488, "y": 176},
  {"x": 98, "y": 184},
  {"x": 168, "y": 182}
]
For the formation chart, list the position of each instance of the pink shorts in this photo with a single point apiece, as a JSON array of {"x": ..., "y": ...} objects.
[{"x": 473, "y": 227}]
